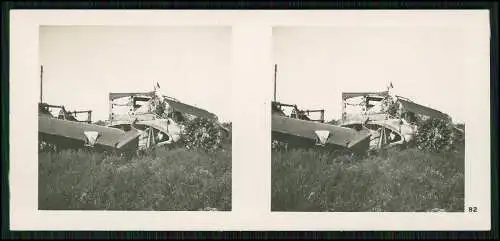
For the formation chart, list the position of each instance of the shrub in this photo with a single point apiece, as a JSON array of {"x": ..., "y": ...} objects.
[
  {"x": 228, "y": 138},
  {"x": 228, "y": 125},
  {"x": 203, "y": 134},
  {"x": 436, "y": 135}
]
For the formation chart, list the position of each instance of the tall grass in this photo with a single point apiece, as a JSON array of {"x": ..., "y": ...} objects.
[
  {"x": 167, "y": 180},
  {"x": 394, "y": 181}
]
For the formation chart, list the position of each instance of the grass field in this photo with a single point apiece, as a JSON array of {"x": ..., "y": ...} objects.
[
  {"x": 166, "y": 180},
  {"x": 394, "y": 181}
]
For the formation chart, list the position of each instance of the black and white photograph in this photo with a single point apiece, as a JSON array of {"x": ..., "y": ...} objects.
[
  {"x": 368, "y": 119},
  {"x": 192, "y": 120},
  {"x": 134, "y": 118}
]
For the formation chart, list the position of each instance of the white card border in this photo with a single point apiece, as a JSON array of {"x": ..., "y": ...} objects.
[{"x": 251, "y": 169}]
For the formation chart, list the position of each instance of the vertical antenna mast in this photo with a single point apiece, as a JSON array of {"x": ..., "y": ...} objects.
[
  {"x": 275, "y": 70},
  {"x": 41, "y": 84}
]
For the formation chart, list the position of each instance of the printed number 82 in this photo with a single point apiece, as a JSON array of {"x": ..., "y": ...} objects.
[{"x": 472, "y": 209}]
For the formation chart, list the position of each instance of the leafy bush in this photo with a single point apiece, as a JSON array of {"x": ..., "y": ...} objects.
[
  {"x": 228, "y": 125},
  {"x": 437, "y": 135},
  {"x": 228, "y": 137},
  {"x": 203, "y": 134}
]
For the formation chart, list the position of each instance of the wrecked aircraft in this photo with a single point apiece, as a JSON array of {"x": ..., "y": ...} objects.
[
  {"x": 382, "y": 106},
  {"x": 390, "y": 119},
  {"x": 137, "y": 121},
  {"x": 300, "y": 131},
  {"x": 370, "y": 121},
  {"x": 159, "y": 118}
]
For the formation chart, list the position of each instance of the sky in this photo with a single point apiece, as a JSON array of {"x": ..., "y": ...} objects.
[
  {"x": 317, "y": 64},
  {"x": 83, "y": 64}
]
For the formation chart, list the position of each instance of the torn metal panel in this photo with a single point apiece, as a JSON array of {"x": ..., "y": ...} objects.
[
  {"x": 385, "y": 133},
  {"x": 129, "y": 140},
  {"x": 361, "y": 105},
  {"x": 357, "y": 106},
  {"x": 127, "y": 107},
  {"x": 189, "y": 109},
  {"x": 166, "y": 127},
  {"x": 140, "y": 111},
  {"x": 409, "y": 106}
]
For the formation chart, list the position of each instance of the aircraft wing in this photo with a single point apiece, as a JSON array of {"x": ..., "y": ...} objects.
[
  {"x": 423, "y": 110},
  {"x": 308, "y": 132},
  {"x": 192, "y": 110},
  {"x": 80, "y": 134}
]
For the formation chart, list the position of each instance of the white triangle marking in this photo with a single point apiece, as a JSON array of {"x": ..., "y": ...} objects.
[
  {"x": 91, "y": 137},
  {"x": 322, "y": 136}
]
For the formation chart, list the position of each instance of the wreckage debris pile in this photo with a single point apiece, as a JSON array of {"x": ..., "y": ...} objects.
[{"x": 198, "y": 133}]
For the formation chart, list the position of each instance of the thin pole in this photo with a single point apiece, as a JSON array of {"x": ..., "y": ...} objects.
[
  {"x": 343, "y": 110},
  {"x": 275, "y": 70},
  {"x": 41, "y": 84}
]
